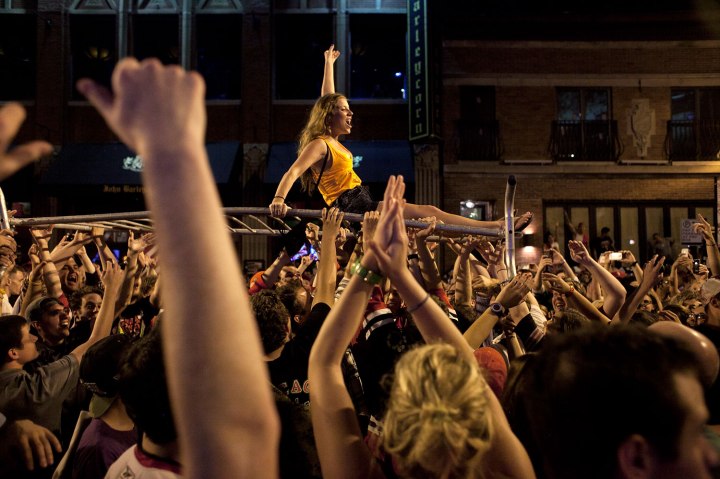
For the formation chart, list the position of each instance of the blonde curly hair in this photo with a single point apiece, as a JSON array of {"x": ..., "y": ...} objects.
[
  {"x": 438, "y": 421},
  {"x": 316, "y": 127}
]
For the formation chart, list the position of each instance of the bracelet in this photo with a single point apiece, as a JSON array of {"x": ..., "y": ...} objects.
[
  {"x": 277, "y": 196},
  {"x": 368, "y": 276},
  {"x": 570, "y": 293},
  {"x": 419, "y": 305}
]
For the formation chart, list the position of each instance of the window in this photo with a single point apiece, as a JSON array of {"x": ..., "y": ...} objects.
[
  {"x": 209, "y": 43},
  {"x": 478, "y": 130},
  {"x": 17, "y": 56},
  {"x": 93, "y": 49},
  {"x": 583, "y": 129},
  {"x": 632, "y": 226},
  {"x": 377, "y": 56},
  {"x": 693, "y": 133},
  {"x": 300, "y": 41},
  {"x": 218, "y": 54},
  {"x": 370, "y": 34},
  {"x": 156, "y": 36}
]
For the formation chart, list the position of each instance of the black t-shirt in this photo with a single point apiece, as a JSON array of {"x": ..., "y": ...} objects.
[{"x": 289, "y": 371}]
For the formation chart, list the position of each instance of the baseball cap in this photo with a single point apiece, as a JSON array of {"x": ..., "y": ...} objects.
[
  {"x": 99, "y": 368},
  {"x": 709, "y": 290},
  {"x": 39, "y": 306}
]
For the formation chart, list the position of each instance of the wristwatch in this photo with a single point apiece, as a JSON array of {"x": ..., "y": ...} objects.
[{"x": 497, "y": 309}]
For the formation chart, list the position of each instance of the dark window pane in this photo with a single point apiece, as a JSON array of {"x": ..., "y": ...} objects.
[
  {"x": 568, "y": 105},
  {"x": 17, "y": 56},
  {"x": 683, "y": 104},
  {"x": 477, "y": 102},
  {"x": 93, "y": 49},
  {"x": 709, "y": 104},
  {"x": 597, "y": 104},
  {"x": 218, "y": 54},
  {"x": 377, "y": 56},
  {"x": 300, "y": 41},
  {"x": 156, "y": 36}
]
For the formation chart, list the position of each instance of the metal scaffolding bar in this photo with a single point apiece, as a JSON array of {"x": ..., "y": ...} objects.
[{"x": 124, "y": 221}]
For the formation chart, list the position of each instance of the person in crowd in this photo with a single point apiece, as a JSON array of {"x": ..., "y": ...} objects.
[
  {"x": 159, "y": 112},
  {"x": 442, "y": 420},
  {"x": 111, "y": 431},
  {"x": 142, "y": 385},
  {"x": 579, "y": 232},
  {"x": 324, "y": 164},
  {"x": 569, "y": 386},
  {"x": 602, "y": 243},
  {"x": 38, "y": 396}
]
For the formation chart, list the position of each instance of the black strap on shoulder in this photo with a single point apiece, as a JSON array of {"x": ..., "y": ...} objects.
[{"x": 327, "y": 155}]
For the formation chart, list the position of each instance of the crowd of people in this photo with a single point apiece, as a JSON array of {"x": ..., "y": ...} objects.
[{"x": 364, "y": 363}]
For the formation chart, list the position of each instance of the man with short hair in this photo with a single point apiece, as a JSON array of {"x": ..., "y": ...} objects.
[
  {"x": 618, "y": 402},
  {"x": 38, "y": 395}
]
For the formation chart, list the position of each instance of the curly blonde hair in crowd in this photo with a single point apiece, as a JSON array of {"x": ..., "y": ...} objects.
[
  {"x": 316, "y": 126},
  {"x": 438, "y": 422}
]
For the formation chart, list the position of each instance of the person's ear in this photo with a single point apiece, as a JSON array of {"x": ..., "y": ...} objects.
[
  {"x": 635, "y": 458},
  {"x": 297, "y": 318},
  {"x": 13, "y": 354}
]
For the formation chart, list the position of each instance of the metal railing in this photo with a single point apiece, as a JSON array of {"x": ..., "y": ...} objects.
[
  {"x": 479, "y": 140},
  {"x": 585, "y": 140},
  {"x": 692, "y": 140}
]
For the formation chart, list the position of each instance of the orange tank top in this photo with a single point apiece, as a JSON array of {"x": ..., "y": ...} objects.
[{"x": 340, "y": 177}]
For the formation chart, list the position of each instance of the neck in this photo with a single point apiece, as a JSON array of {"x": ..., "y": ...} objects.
[
  {"x": 116, "y": 417},
  {"x": 272, "y": 356},
  {"x": 51, "y": 341},
  {"x": 164, "y": 451},
  {"x": 10, "y": 365}
]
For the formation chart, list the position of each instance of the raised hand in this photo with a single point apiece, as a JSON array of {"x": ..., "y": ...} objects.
[
  {"x": 155, "y": 110},
  {"x": 143, "y": 242},
  {"x": 579, "y": 253},
  {"x": 332, "y": 219},
  {"x": 369, "y": 224},
  {"x": 331, "y": 54},
  {"x": 557, "y": 283},
  {"x": 651, "y": 273},
  {"x": 514, "y": 292},
  {"x": 12, "y": 116},
  {"x": 111, "y": 276},
  {"x": 705, "y": 229}
]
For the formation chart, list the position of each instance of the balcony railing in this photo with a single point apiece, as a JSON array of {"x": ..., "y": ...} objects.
[
  {"x": 692, "y": 140},
  {"x": 479, "y": 140},
  {"x": 595, "y": 140}
]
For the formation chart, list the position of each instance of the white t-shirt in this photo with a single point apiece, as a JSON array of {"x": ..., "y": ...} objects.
[{"x": 135, "y": 464}]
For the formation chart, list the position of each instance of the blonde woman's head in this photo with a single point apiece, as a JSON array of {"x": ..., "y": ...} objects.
[
  {"x": 318, "y": 125},
  {"x": 438, "y": 421}
]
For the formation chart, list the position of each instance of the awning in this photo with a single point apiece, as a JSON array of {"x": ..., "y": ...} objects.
[
  {"x": 375, "y": 161},
  {"x": 115, "y": 164}
]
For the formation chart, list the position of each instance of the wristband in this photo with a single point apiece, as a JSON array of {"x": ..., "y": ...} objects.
[
  {"x": 413, "y": 256},
  {"x": 368, "y": 276},
  {"x": 419, "y": 305},
  {"x": 277, "y": 196}
]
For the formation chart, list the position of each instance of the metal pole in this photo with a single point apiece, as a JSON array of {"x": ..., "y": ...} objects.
[
  {"x": 510, "y": 226},
  {"x": 236, "y": 211}
]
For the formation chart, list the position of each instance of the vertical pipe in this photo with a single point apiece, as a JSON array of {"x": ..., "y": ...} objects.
[{"x": 510, "y": 226}]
